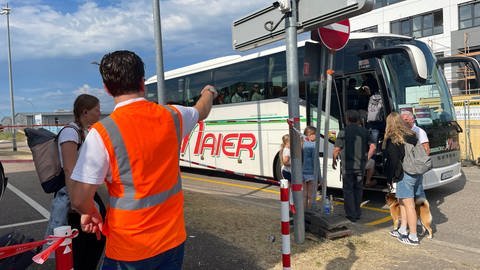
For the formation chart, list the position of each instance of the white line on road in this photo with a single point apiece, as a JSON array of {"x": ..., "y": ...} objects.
[
  {"x": 44, "y": 212},
  {"x": 23, "y": 223},
  {"x": 455, "y": 246}
]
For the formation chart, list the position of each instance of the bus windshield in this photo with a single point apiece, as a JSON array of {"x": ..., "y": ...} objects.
[{"x": 428, "y": 100}]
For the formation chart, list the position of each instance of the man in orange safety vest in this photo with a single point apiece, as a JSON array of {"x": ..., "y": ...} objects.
[{"x": 135, "y": 152}]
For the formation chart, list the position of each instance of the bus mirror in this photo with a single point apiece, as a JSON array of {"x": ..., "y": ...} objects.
[
  {"x": 415, "y": 55},
  {"x": 470, "y": 61}
]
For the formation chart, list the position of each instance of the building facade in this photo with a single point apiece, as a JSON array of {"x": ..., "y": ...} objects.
[
  {"x": 450, "y": 27},
  {"x": 52, "y": 121}
]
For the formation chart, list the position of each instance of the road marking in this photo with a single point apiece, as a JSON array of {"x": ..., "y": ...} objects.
[
  {"x": 44, "y": 212},
  {"x": 455, "y": 246},
  {"x": 23, "y": 223},
  {"x": 379, "y": 221},
  {"x": 231, "y": 184},
  {"x": 372, "y": 223},
  {"x": 380, "y": 210}
]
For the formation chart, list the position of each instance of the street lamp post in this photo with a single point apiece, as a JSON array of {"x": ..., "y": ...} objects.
[{"x": 6, "y": 11}]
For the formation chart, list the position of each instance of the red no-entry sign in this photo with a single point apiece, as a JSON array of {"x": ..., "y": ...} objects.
[{"x": 335, "y": 36}]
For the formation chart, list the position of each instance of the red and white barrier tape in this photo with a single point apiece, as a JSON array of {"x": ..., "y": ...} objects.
[
  {"x": 41, "y": 257},
  {"x": 16, "y": 160},
  {"x": 247, "y": 175},
  {"x": 10, "y": 251},
  {"x": 284, "y": 198}
]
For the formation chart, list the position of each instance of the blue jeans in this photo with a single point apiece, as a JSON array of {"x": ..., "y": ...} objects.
[
  {"x": 171, "y": 259},
  {"x": 409, "y": 186}
]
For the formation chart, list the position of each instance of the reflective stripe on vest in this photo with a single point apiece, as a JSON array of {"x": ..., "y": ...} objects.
[{"x": 128, "y": 201}]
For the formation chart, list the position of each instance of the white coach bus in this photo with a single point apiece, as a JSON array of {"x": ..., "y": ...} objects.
[{"x": 244, "y": 130}]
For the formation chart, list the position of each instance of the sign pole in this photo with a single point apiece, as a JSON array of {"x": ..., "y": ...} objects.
[
  {"x": 294, "y": 115},
  {"x": 318, "y": 173},
  {"x": 159, "y": 52},
  {"x": 326, "y": 152},
  {"x": 334, "y": 36}
]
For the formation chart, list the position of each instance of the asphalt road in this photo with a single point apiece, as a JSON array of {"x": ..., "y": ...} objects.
[{"x": 454, "y": 207}]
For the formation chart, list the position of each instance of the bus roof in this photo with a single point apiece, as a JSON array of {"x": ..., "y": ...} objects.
[{"x": 232, "y": 59}]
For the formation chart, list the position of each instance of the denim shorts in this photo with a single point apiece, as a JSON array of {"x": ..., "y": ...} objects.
[
  {"x": 408, "y": 186},
  {"x": 420, "y": 192},
  {"x": 308, "y": 177}
]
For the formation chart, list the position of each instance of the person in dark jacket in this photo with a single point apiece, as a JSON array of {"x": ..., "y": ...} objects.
[
  {"x": 355, "y": 146},
  {"x": 396, "y": 134}
]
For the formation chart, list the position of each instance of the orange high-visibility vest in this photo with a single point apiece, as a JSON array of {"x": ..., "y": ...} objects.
[{"x": 145, "y": 212}]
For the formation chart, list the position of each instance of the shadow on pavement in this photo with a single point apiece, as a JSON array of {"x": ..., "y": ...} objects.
[
  {"x": 436, "y": 197},
  {"x": 207, "y": 251},
  {"x": 344, "y": 263}
]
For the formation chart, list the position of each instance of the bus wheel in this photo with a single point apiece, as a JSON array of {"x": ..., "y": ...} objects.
[{"x": 277, "y": 168}]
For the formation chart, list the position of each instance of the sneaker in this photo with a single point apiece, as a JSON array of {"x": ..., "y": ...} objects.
[
  {"x": 405, "y": 239},
  {"x": 395, "y": 233}
]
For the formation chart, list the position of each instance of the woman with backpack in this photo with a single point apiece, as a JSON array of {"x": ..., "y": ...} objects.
[
  {"x": 87, "y": 250},
  {"x": 396, "y": 135}
]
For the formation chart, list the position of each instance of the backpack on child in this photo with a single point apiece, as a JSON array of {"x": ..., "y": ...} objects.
[
  {"x": 375, "y": 108},
  {"x": 416, "y": 161},
  {"x": 44, "y": 146}
]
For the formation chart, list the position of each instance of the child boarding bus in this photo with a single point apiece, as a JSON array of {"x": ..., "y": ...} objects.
[{"x": 244, "y": 130}]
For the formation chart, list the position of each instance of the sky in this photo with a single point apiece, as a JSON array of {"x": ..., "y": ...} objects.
[{"x": 54, "y": 42}]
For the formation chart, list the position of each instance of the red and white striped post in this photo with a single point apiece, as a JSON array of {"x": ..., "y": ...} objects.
[
  {"x": 64, "y": 254},
  {"x": 285, "y": 205}
]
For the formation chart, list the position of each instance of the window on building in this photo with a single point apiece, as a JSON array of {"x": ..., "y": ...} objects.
[
  {"x": 371, "y": 29},
  {"x": 423, "y": 25},
  {"x": 469, "y": 15},
  {"x": 383, "y": 3}
]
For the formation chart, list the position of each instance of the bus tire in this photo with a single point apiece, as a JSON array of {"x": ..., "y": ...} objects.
[{"x": 277, "y": 168}]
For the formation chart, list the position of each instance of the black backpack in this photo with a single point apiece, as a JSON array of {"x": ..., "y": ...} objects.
[
  {"x": 19, "y": 261},
  {"x": 3, "y": 181}
]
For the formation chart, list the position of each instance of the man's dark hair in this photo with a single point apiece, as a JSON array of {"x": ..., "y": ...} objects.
[
  {"x": 122, "y": 72},
  {"x": 352, "y": 116}
]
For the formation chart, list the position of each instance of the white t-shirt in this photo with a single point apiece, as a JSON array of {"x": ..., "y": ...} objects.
[
  {"x": 68, "y": 134},
  {"x": 421, "y": 134},
  {"x": 286, "y": 153},
  {"x": 93, "y": 164}
]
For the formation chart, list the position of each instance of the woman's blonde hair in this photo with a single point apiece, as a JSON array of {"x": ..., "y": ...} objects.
[
  {"x": 285, "y": 141},
  {"x": 396, "y": 129}
]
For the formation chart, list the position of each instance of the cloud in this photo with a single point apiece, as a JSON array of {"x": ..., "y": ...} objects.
[
  {"x": 53, "y": 94},
  {"x": 41, "y": 29},
  {"x": 106, "y": 101}
]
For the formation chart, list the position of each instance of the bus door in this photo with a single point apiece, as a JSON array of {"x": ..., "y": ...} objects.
[{"x": 355, "y": 90}]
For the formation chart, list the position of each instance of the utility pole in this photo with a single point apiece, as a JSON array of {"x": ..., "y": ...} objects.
[
  {"x": 159, "y": 52},
  {"x": 6, "y": 11}
]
